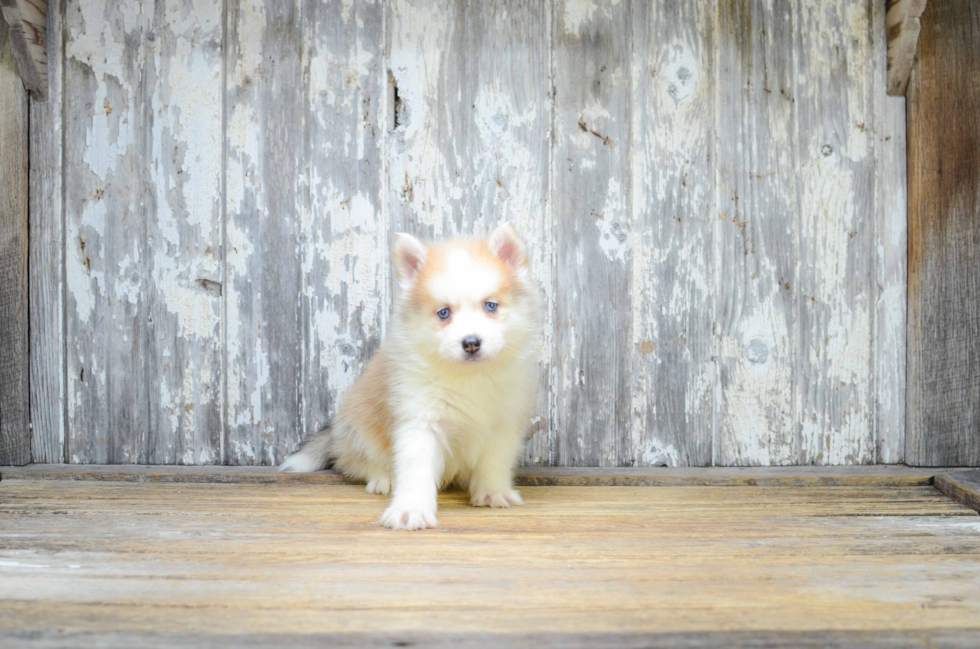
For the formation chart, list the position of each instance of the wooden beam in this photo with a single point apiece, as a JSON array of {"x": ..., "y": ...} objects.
[
  {"x": 28, "y": 20},
  {"x": 943, "y": 395},
  {"x": 788, "y": 476},
  {"x": 962, "y": 486},
  {"x": 903, "y": 36},
  {"x": 15, "y": 440}
]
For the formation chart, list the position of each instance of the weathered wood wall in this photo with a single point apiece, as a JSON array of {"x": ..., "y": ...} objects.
[
  {"x": 713, "y": 191},
  {"x": 15, "y": 440},
  {"x": 944, "y": 239}
]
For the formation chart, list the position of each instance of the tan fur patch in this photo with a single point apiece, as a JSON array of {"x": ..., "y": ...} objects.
[
  {"x": 366, "y": 403},
  {"x": 436, "y": 263}
]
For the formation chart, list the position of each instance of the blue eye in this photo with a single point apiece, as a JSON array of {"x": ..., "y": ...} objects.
[
  {"x": 442, "y": 313},
  {"x": 491, "y": 306}
]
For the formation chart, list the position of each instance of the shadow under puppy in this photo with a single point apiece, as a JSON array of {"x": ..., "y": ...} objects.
[{"x": 448, "y": 396}]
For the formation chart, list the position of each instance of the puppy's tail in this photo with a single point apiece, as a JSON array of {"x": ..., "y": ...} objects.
[{"x": 313, "y": 455}]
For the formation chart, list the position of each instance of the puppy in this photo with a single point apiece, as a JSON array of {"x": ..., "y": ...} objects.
[{"x": 448, "y": 396}]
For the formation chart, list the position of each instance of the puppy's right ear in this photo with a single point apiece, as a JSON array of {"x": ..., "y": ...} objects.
[{"x": 409, "y": 258}]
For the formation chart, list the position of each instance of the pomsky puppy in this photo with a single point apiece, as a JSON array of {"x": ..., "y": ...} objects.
[{"x": 447, "y": 398}]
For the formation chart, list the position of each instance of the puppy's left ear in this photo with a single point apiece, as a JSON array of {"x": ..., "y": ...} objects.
[{"x": 506, "y": 245}]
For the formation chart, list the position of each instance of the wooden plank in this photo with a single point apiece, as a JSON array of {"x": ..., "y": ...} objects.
[
  {"x": 46, "y": 277},
  {"x": 183, "y": 269},
  {"x": 343, "y": 228},
  {"x": 844, "y": 476},
  {"x": 28, "y": 36},
  {"x": 105, "y": 246},
  {"x": 469, "y": 141},
  {"x": 672, "y": 176},
  {"x": 15, "y": 436},
  {"x": 758, "y": 202},
  {"x": 903, "y": 26},
  {"x": 963, "y": 487},
  {"x": 944, "y": 248},
  {"x": 891, "y": 246},
  {"x": 592, "y": 369},
  {"x": 836, "y": 288},
  {"x": 264, "y": 201},
  {"x": 682, "y": 560},
  {"x": 878, "y": 639}
]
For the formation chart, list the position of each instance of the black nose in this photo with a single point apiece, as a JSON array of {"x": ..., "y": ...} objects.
[{"x": 471, "y": 344}]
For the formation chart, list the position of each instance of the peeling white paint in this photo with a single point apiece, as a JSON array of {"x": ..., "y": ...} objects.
[
  {"x": 110, "y": 135},
  {"x": 418, "y": 167},
  {"x": 660, "y": 455},
  {"x": 473, "y": 155},
  {"x": 614, "y": 233},
  {"x": 580, "y": 15}
]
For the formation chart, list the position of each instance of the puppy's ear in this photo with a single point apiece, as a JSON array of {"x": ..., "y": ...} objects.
[
  {"x": 506, "y": 245},
  {"x": 409, "y": 257}
]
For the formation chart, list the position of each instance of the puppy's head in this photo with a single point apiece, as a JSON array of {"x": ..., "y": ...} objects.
[{"x": 466, "y": 301}]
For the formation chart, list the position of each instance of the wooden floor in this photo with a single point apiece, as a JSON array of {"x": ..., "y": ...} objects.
[{"x": 249, "y": 564}]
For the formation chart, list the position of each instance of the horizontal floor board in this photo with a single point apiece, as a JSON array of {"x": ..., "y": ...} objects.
[{"x": 122, "y": 562}]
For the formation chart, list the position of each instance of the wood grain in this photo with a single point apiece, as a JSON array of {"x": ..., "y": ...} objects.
[
  {"x": 591, "y": 366},
  {"x": 961, "y": 486},
  {"x": 46, "y": 265},
  {"x": 105, "y": 243},
  {"x": 758, "y": 196},
  {"x": 264, "y": 201},
  {"x": 891, "y": 245},
  {"x": 835, "y": 290},
  {"x": 183, "y": 271},
  {"x": 343, "y": 232},
  {"x": 15, "y": 436},
  {"x": 673, "y": 133},
  {"x": 877, "y": 639},
  {"x": 294, "y": 559},
  {"x": 840, "y": 476},
  {"x": 944, "y": 240},
  {"x": 28, "y": 37},
  {"x": 903, "y": 28}
]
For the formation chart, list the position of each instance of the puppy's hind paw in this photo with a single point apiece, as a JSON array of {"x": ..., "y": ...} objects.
[
  {"x": 497, "y": 500},
  {"x": 380, "y": 486}
]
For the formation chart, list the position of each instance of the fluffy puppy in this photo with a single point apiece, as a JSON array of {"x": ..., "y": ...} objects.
[{"x": 448, "y": 396}]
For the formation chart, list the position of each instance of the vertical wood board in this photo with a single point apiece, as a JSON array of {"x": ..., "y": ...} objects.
[
  {"x": 592, "y": 362},
  {"x": 181, "y": 166},
  {"x": 46, "y": 269},
  {"x": 105, "y": 235},
  {"x": 756, "y": 238},
  {"x": 891, "y": 248},
  {"x": 15, "y": 443},
  {"x": 343, "y": 227},
  {"x": 264, "y": 201},
  {"x": 944, "y": 240},
  {"x": 835, "y": 291},
  {"x": 672, "y": 177}
]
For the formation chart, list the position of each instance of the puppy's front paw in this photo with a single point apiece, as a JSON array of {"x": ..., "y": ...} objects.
[
  {"x": 496, "y": 500},
  {"x": 409, "y": 516}
]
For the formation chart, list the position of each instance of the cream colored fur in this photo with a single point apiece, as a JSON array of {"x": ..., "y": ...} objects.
[{"x": 425, "y": 413}]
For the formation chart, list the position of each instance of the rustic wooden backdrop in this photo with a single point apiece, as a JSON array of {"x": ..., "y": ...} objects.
[{"x": 714, "y": 192}]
